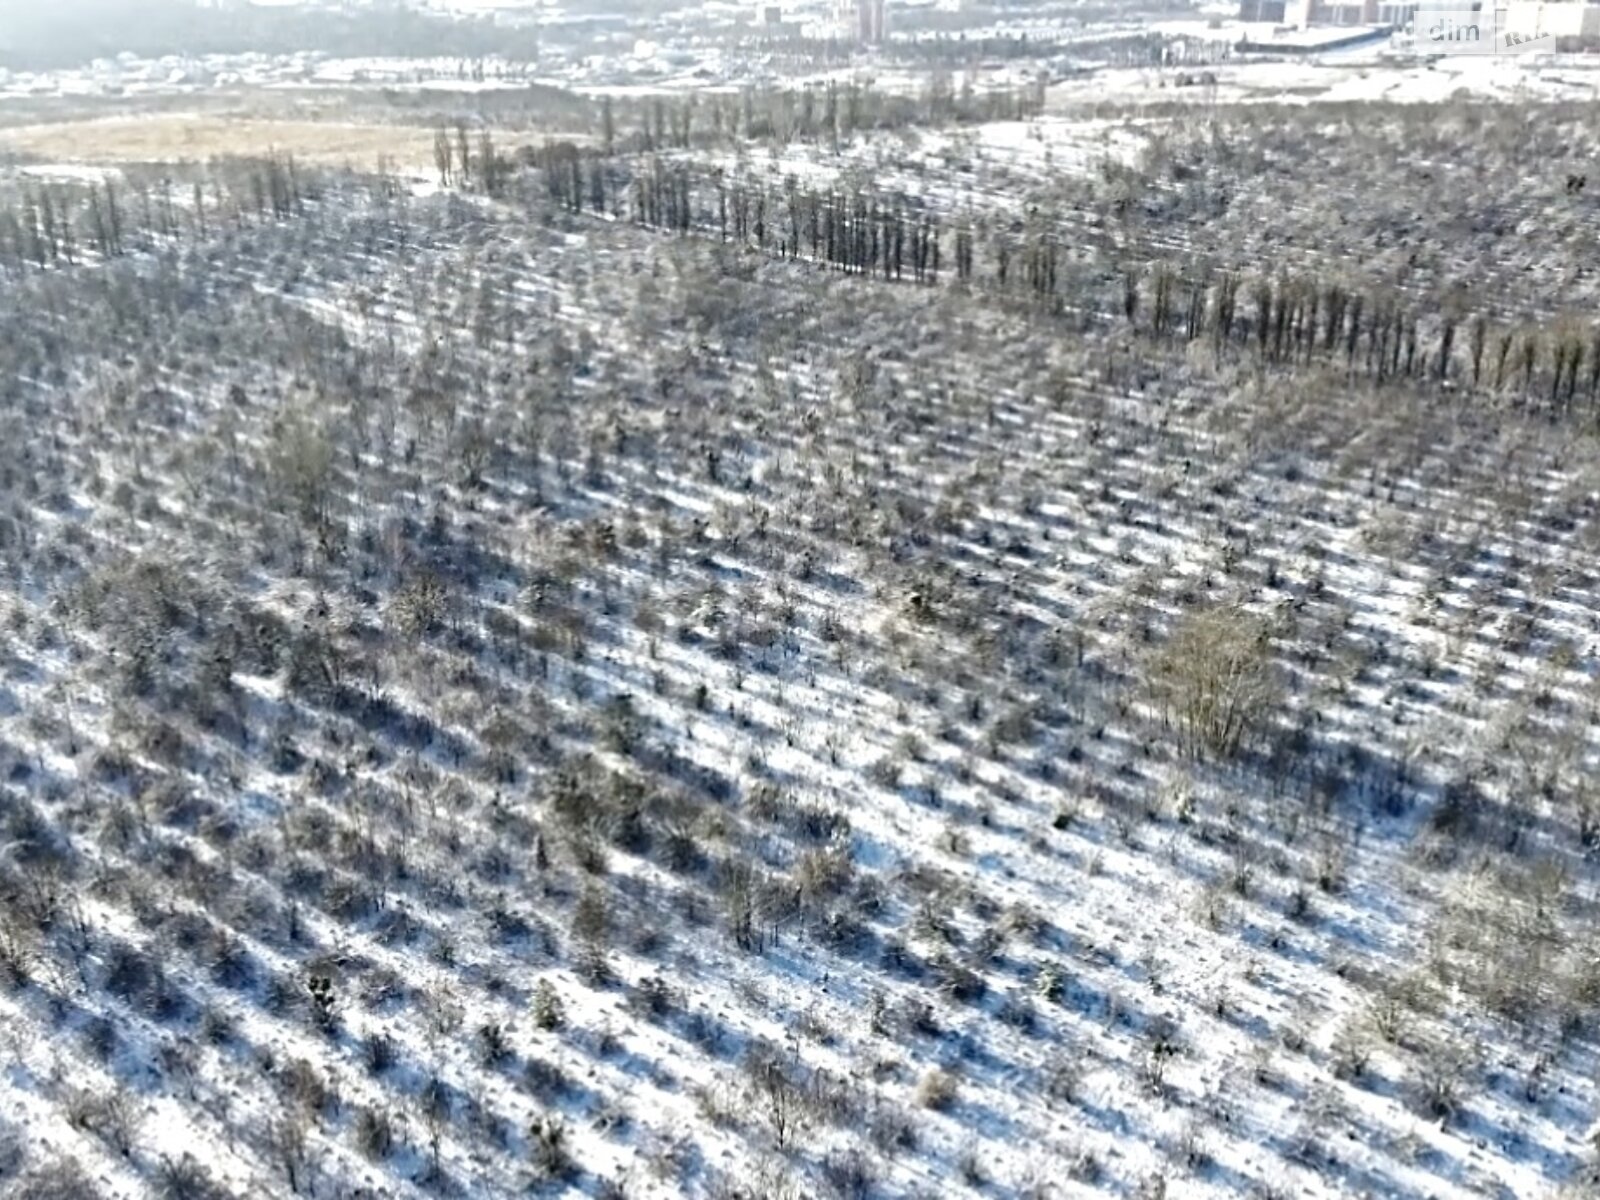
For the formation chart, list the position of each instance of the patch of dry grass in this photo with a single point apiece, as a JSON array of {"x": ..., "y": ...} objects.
[{"x": 178, "y": 137}]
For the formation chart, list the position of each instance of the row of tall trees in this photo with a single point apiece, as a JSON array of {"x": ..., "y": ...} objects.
[
  {"x": 827, "y": 112},
  {"x": 60, "y": 223},
  {"x": 854, "y": 231},
  {"x": 460, "y": 165},
  {"x": 40, "y": 227},
  {"x": 1371, "y": 331},
  {"x": 831, "y": 112},
  {"x": 1282, "y": 320}
]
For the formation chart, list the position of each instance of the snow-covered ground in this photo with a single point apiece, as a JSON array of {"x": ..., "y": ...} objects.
[
  {"x": 800, "y": 679},
  {"x": 499, "y": 700}
]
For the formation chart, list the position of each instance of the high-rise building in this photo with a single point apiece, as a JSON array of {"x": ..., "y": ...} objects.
[
  {"x": 876, "y": 13},
  {"x": 864, "y": 21}
]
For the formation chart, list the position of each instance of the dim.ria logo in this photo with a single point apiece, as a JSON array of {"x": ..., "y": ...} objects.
[{"x": 1458, "y": 27}]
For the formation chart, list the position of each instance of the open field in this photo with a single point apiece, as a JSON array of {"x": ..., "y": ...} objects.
[
  {"x": 334, "y": 128},
  {"x": 192, "y": 138}
]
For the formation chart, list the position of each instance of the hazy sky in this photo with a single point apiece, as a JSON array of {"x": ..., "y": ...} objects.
[
  {"x": 62, "y": 15},
  {"x": 60, "y": 34}
]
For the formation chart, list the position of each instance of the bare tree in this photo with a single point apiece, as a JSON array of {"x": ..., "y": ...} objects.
[{"x": 1214, "y": 679}]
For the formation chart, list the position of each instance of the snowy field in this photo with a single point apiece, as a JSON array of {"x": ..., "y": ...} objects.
[{"x": 1017, "y": 658}]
